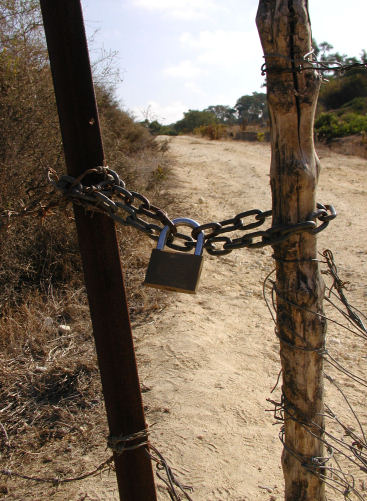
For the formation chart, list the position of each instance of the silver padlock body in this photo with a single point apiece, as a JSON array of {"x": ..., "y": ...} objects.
[{"x": 174, "y": 271}]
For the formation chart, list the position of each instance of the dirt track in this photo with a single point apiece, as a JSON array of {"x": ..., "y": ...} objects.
[{"x": 211, "y": 360}]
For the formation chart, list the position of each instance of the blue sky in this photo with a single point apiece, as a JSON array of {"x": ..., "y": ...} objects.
[{"x": 176, "y": 55}]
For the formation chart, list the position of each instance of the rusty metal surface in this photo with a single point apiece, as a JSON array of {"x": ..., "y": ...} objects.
[{"x": 83, "y": 148}]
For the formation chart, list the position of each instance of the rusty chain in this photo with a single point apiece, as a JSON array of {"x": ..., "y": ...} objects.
[{"x": 110, "y": 194}]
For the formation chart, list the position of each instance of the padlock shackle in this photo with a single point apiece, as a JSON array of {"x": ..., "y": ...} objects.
[{"x": 182, "y": 221}]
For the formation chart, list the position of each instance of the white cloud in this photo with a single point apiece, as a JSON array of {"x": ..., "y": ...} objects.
[
  {"x": 224, "y": 48},
  {"x": 194, "y": 87},
  {"x": 165, "y": 114},
  {"x": 182, "y": 9},
  {"x": 185, "y": 69},
  {"x": 220, "y": 59}
]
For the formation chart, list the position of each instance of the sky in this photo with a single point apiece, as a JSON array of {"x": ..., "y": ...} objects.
[{"x": 176, "y": 55}]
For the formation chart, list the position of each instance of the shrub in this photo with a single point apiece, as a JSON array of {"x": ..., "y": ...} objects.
[
  {"x": 49, "y": 381},
  {"x": 212, "y": 131},
  {"x": 194, "y": 119},
  {"x": 331, "y": 125},
  {"x": 167, "y": 130},
  {"x": 356, "y": 105},
  {"x": 343, "y": 89}
]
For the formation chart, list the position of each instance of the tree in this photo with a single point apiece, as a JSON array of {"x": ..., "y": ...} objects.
[
  {"x": 342, "y": 87},
  {"x": 194, "y": 119},
  {"x": 325, "y": 49},
  {"x": 341, "y": 90},
  {"x": 224, "y": 114},
  {"x": 252, "y": 109}
]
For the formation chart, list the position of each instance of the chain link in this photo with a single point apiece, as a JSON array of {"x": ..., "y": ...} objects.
[{"x": 110, "y": 194}]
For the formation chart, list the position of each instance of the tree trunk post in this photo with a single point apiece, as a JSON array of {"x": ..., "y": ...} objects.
[{"x": 285, "y": 33}]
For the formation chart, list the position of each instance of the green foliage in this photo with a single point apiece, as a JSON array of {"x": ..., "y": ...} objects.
[
  {"x": 168, "y": 130},
  {"x": 252, "y": 109},
  {"x": 224, "y": 114},
  {"x": 342, "y": 107},
  {"x": 346, "y": 93},
  {"x": 356, "y": 105},
  {"x": 248, "y": 110},
  {"x": 342, "y": 89},
  {"x": 330, "y": 125},
  {"x": 194, "y": 119},
  {"x": 157, "y": 129}
]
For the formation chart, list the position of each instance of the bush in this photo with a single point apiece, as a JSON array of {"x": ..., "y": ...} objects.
[
  {"x": 194, "y": 119},
  {"x": 38, "y": 253},
  {"x": 157, "y": 129},
  {"x": 167, "y": 130},
  {"x": 48, "y": 378},
  {"x": 343, "y": 89},
  {"x": 330, "y": 125},
  {"x": 356, "y": 105},
  {"x": 212, "y": 131}
]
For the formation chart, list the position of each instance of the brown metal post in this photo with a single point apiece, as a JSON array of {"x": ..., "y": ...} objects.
[{"x": 67, "y": 46}]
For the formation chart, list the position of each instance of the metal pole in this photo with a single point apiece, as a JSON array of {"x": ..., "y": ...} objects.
[{"x": 67, "y": 46}]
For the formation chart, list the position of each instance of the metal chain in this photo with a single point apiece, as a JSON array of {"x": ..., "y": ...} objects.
[
  {"x": 109, "y": 195},
  {"x": 309, "y": 62}
]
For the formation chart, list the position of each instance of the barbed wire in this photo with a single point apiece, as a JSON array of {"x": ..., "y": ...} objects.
[
  {"x": 110, "y": 197},
  {"x": 352, "y": 446},
  {"x": 307, "y": 63},
  {"x": 339, "y": 286}
]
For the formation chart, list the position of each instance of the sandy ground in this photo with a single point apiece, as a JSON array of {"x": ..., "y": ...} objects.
[{"x": 210, "y": 360}]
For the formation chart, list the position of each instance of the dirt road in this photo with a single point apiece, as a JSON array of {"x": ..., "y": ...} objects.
[{"x": 210, "y": 360}]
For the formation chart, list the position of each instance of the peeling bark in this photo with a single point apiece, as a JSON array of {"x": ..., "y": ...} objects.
[{"x": 285, "y": 32}]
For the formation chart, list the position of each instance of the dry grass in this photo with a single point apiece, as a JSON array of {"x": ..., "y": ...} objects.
[
  {"x": 49, "y": 381},
  {"x": 351, "y": 145},
  {"x": 52, "y": 413},
  {"x": 49, "y": 384}
]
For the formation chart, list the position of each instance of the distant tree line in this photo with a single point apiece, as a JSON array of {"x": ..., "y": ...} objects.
[
  {"x": 342, "y": 107},
  {"x": 249, "y": 109}
]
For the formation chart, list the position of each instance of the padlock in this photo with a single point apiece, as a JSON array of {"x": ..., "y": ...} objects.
[{"x": 175, "y": 271}]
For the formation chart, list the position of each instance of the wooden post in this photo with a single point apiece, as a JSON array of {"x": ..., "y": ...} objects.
[
  {"x": 285, "y": 32},
  {"x": 67, "y": 46}
]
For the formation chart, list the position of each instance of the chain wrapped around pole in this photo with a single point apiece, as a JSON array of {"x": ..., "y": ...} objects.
[{"x": 111, "y": 197}]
